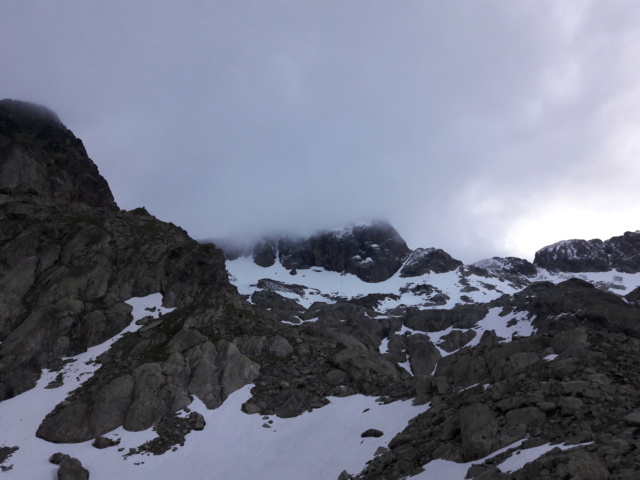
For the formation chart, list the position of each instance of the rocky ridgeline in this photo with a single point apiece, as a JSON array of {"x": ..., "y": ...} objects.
[
  {"x": 374, "y": 252},
  {"x": 509, "y": 266},
  {"x": 69, "y": 260},
  {"x": 620, "y": 253}
]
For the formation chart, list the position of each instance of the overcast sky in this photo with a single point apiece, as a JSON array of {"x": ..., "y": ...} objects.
[{"x": 481, "y": 127}]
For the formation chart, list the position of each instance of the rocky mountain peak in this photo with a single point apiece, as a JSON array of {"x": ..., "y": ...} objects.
[
  {"x": 373, "y": 251},
  {"x": 618, "y": 253},
  {"x": 428, "y": 260},
  {"x": 40, "y": 156},
  {"x": 509, "y": 265}
]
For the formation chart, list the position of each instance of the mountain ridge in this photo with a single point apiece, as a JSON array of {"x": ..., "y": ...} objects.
[{"x": 575, "y": 256}]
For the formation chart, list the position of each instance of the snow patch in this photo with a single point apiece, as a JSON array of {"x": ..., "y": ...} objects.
[{"x": 384, "y": 346}]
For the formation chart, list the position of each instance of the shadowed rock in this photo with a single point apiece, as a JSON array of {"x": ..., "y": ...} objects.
[
  {"x": 428, "y": 260},
  {"x": 39, "y": 155}
]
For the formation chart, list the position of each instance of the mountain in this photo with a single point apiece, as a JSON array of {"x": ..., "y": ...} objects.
[
  {"x": 130, "y": 350},
  {"x": 618, "y": 253}
]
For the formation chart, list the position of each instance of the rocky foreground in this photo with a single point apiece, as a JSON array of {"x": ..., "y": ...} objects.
[{"x": 506, "y": 357}]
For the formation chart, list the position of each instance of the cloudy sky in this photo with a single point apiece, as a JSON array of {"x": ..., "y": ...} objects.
[{"x": 481, "y": 127}]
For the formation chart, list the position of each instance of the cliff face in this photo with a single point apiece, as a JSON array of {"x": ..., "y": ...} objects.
[
  {"x": 373, "y": 252},
  {"x": 67, "y": 269},
  {"x": 39, "y": 155},
  {"x": 621, "y": 253},
  {"x": 69, "y": 258}
]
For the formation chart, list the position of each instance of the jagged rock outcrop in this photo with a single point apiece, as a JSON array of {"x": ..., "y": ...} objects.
[
  {"x": 428, "y": 260},
  {"x": 508, "y": 265},
  {"x": 620, "y": 253},
  {"x": 584, "y": 396},
  {"x": 265, "y": 253},
  {"x": 67, "y": 269},
  {"x": 373, "y": 252},
  {"x": 149, "y": 375},
  {"x": 433, "y": 320},
  {"x": 39, "y": 155},
  {"x": 574, "y": 303}
]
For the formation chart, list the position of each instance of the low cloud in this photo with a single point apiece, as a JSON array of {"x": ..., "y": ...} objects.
[{"x": 470, "y": 126}]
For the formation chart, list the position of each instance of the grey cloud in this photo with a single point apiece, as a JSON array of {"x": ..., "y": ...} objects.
[{"x": 449, "y": 119}]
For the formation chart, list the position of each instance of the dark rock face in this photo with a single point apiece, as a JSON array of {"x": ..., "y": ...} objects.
[
  {"x": 423, "y": 355},
  {"x": 574, "y": 303},
  {"x": 68, "y": 260},
  {"x": 70, "y": 468},
  {"x": 372, "y": 252},
  {"x": 456, "y": 340},
  {"x": 434, "y": 320},
  {"x": 429, "y": 260},
  {"x": 509, "y": 265},
  {"x": 39, "y": 155},
  {"x": 569, "y": 399},
  {"x": 67, "y": 272},
  {"x": 264, "y": 253},
  {"x": 620, "y": 253}
]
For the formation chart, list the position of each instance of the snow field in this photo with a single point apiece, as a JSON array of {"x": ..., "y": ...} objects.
[{"x": 321, "y": 284}]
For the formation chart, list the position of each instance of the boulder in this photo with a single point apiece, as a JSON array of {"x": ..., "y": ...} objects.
[
  {"x": 423, "y": 355},
  {"x": 478, "y": 430},
  {"x": 456, "y": 340},
  {"x": 264, "y": 253},
  {"x": 69, "y": 468}
]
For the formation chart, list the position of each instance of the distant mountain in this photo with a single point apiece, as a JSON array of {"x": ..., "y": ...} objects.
[
  {"x": 509, "y": 265},
  {"x": 129, "y": 350},
  {"x": 373, "y": 251},
  {"x": 618, "y": 253}
]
